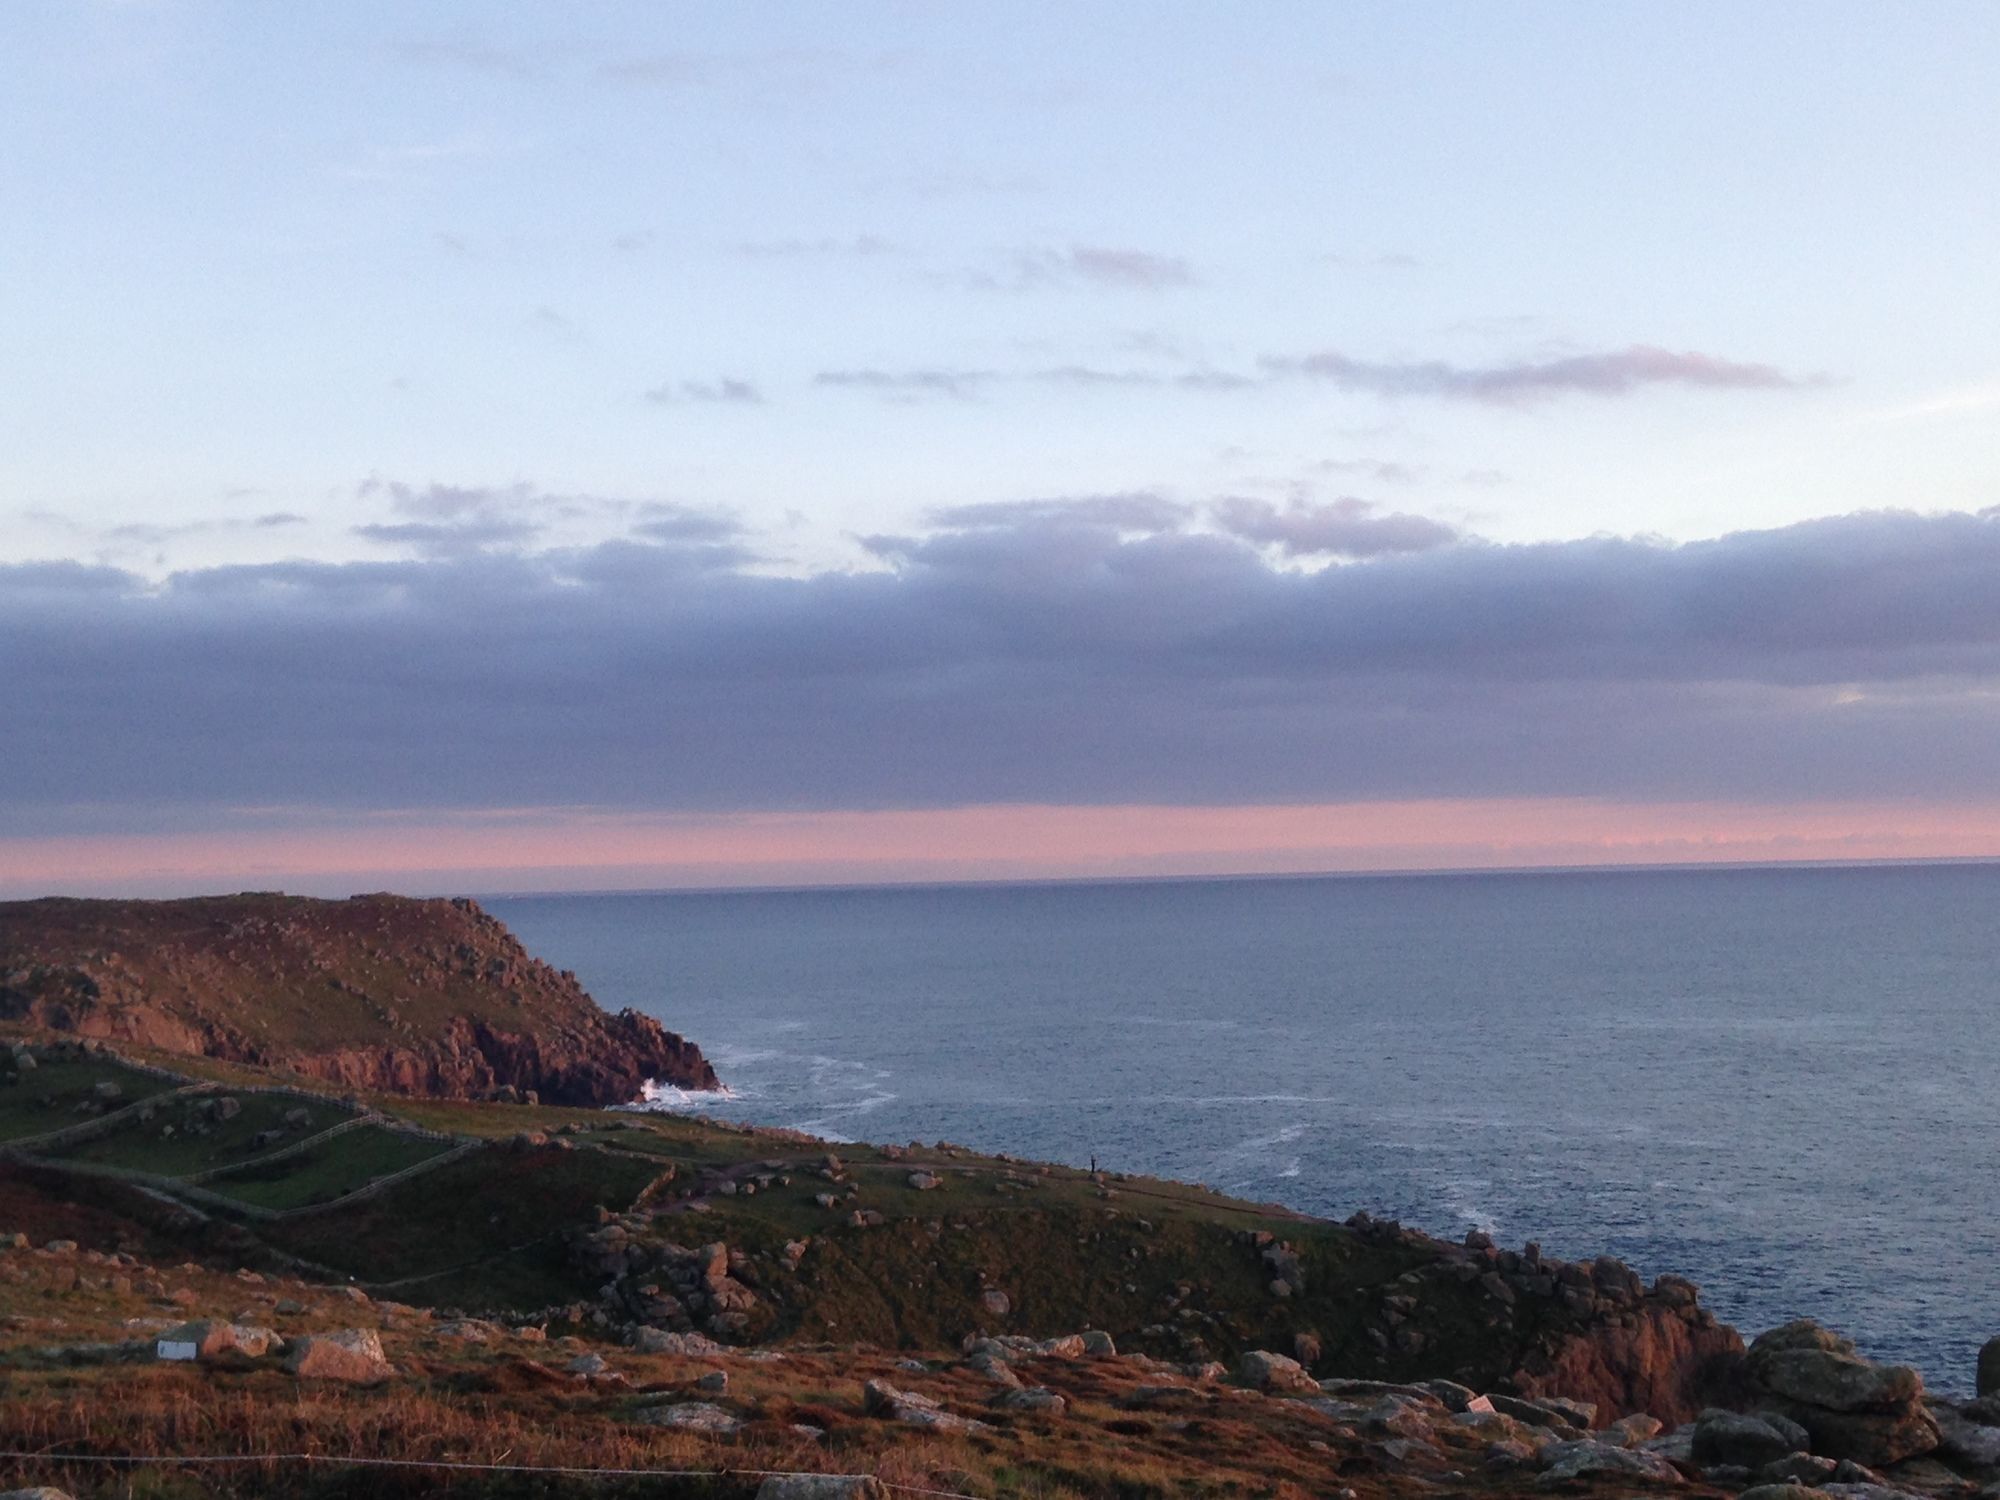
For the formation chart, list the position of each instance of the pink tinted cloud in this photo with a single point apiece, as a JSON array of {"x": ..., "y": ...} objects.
[{"x": 547, "y": 849}]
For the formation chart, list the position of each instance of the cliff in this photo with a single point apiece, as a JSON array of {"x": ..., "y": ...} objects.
[{"x": 375, "y": 992}]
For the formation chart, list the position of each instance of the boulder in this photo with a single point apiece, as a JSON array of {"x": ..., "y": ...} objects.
[
  {"x": 1034, "y": 1398},
  {"x": 924, "y": 1182},
  {"x": 1837, "y": 1382},
  {"x": 1797, "y": 1468},
  {"x": 1097, "y": 1342},
  {"x": 1585, "y": 1456},
  {"x": 353, "y": 1355},
  {"x": 996, "y": 1302},
  {"x": 880, "y": 1399},
  {"x": 994, "y": 1368},
  {"x": 691, "y": 1416},
  {"x": 1850, "y": 1407},
  {"x": 1872, "y": 1438},
  {"x": 1537, "y": 1413},
  {"x": 1964, "y": 1441},
  {"x": 1393, "y": 1416},
  {"x": 1739, "y": 1438},
  {"x": 1262, "y": 1370},
  {"x": 659, "y": 1341}
]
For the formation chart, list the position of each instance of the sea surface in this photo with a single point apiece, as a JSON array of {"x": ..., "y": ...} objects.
[{"x": 1779, "y": 1082}]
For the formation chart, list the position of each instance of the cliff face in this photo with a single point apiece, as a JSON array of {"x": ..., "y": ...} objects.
[
  {"x": 1538, "y": 1326},
  {"x": 380, "y": 992}
]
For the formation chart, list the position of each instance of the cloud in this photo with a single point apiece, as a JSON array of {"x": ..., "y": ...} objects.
[
  {"x": 456, "y": 520},
  {"x": 1615, "y": 373},
  {"x": 1338, "y": 528},
  {"x": 1130, "y": 510},
  {"x": 664, "y": 521},
  {"x": 920, "y": 384},
  {"x": 911, "y": 385},
  {"x": 726, "y": 391},
  {"x": 1083, "y": 265},
  {"x": 446, "y": 539},
  {"x": 1054, "y": 654}
]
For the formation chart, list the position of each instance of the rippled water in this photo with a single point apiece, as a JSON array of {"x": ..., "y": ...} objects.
[{"x": 1778, "y": 1082}]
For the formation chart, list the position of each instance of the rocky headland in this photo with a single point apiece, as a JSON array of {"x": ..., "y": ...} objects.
[{"x": 375, "y": 992}]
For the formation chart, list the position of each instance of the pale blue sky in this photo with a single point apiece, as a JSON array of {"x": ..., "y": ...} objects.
[{"x": 255, "y": 255}]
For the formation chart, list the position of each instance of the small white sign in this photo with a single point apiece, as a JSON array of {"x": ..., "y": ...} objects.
[
  {"x": 1479, "y": 1403},
  {"x": 178, "y": 1349}
]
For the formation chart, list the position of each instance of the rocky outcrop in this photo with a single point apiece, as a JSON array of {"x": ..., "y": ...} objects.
[
  {"x": 1592, "y": 1331},
  {"x": 1649, "y": 1357},
  {"x": 1850, "y": 1408},
  {"x": 375, "y": 992}
]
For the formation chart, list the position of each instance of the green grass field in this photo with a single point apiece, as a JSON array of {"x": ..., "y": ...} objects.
[
  {"x": 170, "y": 1145},
  {"x": 325, "y": 1172},
  {"x": 466, "y": 1210},
  {"x": 64, "y": 1085}
]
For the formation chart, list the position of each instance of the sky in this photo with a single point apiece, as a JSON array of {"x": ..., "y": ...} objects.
[{"x": 495, "y": 447}]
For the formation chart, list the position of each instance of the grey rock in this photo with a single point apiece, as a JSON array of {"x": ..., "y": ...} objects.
[
  {"x": 880, "y": 1399},
  {"x": 1734, "y": 1437},
  {"x": 1570, "y": 1460},
  {"x": 1797, "y": 1468},
  {"x": 1868, "y": 1437},
  {"x": 994, "y": 1369},
  {"x": 1988, "y": 1378},
  {"x": 1800, "y": 1333},
  {"x": 1964, "y": 1441},
  {"x": 1535, "y": 1413},
  {"x": 1262, "y": 1370},
  {"x": 690, "y": 1416},
  {"x": 1035, "y": 1398},
  {"x": 1837, "y": 1382},
  {"x": 660, "y": 1341}
]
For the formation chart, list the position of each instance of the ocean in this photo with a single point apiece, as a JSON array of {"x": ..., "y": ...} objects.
[{"x": 1778, "y": 1082}]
